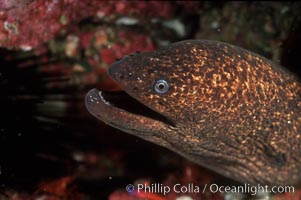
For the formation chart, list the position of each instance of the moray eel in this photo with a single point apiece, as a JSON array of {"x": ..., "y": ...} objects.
[{"x": 221, "y": 106}]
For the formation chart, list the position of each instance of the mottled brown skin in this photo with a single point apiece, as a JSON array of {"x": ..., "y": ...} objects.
[{"x": 232, "y": 111}]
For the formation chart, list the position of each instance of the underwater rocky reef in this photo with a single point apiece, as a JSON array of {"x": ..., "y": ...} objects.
[{"x": 53, "y": 51}]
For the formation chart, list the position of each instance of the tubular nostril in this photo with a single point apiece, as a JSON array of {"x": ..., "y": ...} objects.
[{"x": 114, "y": 68}]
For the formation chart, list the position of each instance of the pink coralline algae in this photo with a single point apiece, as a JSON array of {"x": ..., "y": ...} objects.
[{"x": 28, "y": 24}]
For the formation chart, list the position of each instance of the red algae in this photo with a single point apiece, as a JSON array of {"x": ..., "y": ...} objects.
[{"x": 28, "y": 24}]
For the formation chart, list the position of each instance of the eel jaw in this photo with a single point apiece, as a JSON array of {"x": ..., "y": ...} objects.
[{"x": 119, "y": 118}]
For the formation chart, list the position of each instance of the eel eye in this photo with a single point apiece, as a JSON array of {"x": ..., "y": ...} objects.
[{"x": 161, "y": 86}]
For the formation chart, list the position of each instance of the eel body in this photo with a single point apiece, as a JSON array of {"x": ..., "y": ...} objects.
[{"x": 221, "y": 106}]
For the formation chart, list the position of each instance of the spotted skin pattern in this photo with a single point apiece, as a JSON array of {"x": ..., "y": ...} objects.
[{"x": 231, "y": 110}]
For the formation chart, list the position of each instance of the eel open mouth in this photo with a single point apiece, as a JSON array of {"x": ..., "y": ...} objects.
[{"x": 113, "y": 106}]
